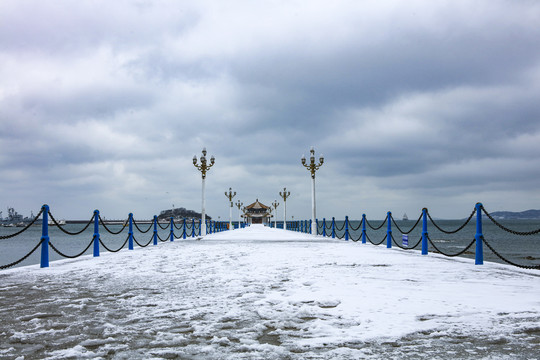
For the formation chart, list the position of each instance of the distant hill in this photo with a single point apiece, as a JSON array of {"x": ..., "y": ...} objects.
[
  {"x": 510, "y": 215},
  {"x": 179, "y": 214}
]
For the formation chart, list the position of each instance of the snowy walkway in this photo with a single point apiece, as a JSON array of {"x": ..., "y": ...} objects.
[{"x": 260, "y": 293}]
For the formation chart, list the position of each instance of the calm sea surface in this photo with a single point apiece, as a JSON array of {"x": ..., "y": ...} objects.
[{"x": 524, "y": 250}]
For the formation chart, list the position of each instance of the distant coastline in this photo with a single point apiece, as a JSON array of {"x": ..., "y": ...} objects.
[{"x": 511, "y": 215}]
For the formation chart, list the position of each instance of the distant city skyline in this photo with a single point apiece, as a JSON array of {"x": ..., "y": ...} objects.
[{"x": 416, "y": 104}]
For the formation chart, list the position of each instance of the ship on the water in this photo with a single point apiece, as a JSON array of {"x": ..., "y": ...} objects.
[{"x": 15, "y": 219}]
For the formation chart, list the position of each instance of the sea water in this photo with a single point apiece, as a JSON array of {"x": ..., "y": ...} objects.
[{"x": 523, "y": 250}]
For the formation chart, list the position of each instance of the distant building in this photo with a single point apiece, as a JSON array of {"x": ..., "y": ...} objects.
[{"x": 257, "y": 213}]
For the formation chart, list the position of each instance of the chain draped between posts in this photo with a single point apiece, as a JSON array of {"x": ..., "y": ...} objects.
[
  {"x": 141, "y": 231},
  {"x": 2, "y": 267},
  {"x": 192, "y": 229},
  {"x": 102, "y": 223},
  {"x": 117, "y": 250},
  {"x": 408, "y": 231},
  {"x": 348, "y": 231},
  {"x": 96, "y": 241}
]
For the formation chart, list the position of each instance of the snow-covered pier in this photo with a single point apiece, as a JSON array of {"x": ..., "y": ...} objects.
[{"x": 261, "y": 293}]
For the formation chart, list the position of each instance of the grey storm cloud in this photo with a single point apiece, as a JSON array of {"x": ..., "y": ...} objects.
[{"x": 103, "y": 105}]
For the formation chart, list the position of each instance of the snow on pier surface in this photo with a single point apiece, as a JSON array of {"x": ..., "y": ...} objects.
[{"x": 260, "y": 293}]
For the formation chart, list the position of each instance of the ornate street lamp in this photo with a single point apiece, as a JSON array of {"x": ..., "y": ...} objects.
[
  {"x": 203, "y": 168},
  {"x": 230, "y": 196},
  {"x": 284, "y": 195},
  {"x": 312, "y": 167},
  {"x": 275, "y": 204},
  {"x": 239, "y": 205},
  {"x": 245, "y": 215}
]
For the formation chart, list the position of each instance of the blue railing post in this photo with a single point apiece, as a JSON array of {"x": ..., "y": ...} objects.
[
  {"x": 200, "y": 227},
  {"x": 96, "y": 233},
  {"x": 389, "y": 230},
  {"x": 424, "y": 232},
  {"x": 130, "y": 241},
  {"x": 479, "y": 258},
  {"x": 172, "y": 229},
  {"x": 316, "y": 226},
  {"x": 184, "y": 230},
  {"x": 192, "y": 227},
  {"x": 310, "y": 224},
  {"x": 363, "y": 228},
  {"x": 333, "y": 227},
  {"x": 324, "y": 227},
  {"x": 346, "y": 228},
  {"x": 155, "y": 229},
  {"x": 45, "y": 238}
]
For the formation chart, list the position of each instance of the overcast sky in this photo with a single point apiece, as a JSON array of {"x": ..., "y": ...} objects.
[{"x": 413, "y": 103}]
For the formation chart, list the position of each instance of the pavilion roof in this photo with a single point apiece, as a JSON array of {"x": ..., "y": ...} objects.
[{"x": 257, "y": 205}]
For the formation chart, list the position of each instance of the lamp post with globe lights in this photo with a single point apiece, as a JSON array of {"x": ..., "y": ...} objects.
[
  {"x": 239, "y": 205},
  {"x": 230, "y": 196},
  {"x": 284, "y": 195},
  {"x": 312, "y": 168},
  {"x": 203, "y": 168},
  {"x": 275, "y": 204}
]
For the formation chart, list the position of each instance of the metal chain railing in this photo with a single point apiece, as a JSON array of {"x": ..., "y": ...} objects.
[
  {"x": 117, "y": 250},
  {"x": 2, "y": 267},
  {"x": 450, "y": 255},
  {"x": 536, "y": 267},
  {"x": 61, "y": 228},
  {"x": 410, "y": 230},
  {"x": 162, "y": 240},
  {"x": 501, "y": 226},
  {"x": 383, "y": 240},
  {"x": 451, "y": 231},
  {"x": 406, "y": 247},
  {"x": 352, "y": 227},
  {"x": 377, "y": 227},
  {"x": 163, "y": 227},
  {"x": 145, "y": 231},
  {"x": 23, "y": 230},
  {"x": 148, "y": 243},
  {"x": 124, "y": 226},
  {"x": 342, "y": 227},
  {"x": 71, "y": 256},
  {"x": 353, "y": 239},
  {"x": 177, "y": 227}
]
